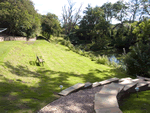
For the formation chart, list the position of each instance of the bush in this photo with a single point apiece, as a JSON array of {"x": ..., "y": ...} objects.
[
  {"x": 138, "y": 60},
  {"x": 103, "y": 60}
]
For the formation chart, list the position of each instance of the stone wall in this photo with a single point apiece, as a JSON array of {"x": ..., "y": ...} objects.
[{"x": 14, "y": 38}]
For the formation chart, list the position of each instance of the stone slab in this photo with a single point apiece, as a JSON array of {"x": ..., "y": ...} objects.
[
  {"x": 87, "y": 84},
  {"x": 143, "y": 86},
  {"x": 112, "y": 88},
  {"x": 95, "y": 84},
  {"x": 130, "y": 87},
  {"x": 109, "y": 110},
  {"x": 137, "y": 80},
  {"x": 145, "y": 78},
  {"x": 109, "y": 81},
  {"x": 128, "y": 78},
  {"x": 105, "y": 101},
  {"x": 125, "y": 82},
  {"x": 71, "y": 89}
]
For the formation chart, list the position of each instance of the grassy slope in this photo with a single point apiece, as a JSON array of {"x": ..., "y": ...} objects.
[
  {"x": 26, "y": 87},
  {"x": 132, "y": 104}
]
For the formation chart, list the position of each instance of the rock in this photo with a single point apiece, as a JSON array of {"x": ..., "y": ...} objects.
[
  {"x": 128, "y": 78},
  {"x": 71, "y": 89},
  {"x": 125, "y": 82},
  {"x": 112, "y": 88},
  {"x": 95, "y": 84},
  {"x": 109, "y": 81},
  {"x": 130, "y": 87},
  {"x": 105, "y": 101},
  {"x": 109, "y": 110},
  {"x": 87, "y": 84},
  {"x": 137, "y": 80}
]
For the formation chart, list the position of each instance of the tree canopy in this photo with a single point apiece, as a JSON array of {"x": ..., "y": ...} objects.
[
  {"x": 20, "y": 17},
  {"x": 50, "y": 25}
]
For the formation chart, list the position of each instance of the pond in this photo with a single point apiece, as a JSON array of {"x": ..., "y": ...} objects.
[{"x": 113, "y": 58}]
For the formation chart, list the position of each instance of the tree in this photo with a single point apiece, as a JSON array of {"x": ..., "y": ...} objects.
[
  {"x": 138, "y": 9},
  {"x": 120, "y": 11},
  {"x": 70, "y": 19},
  {"x": 93, "y": 26},
  {"x": 19, "y": 17},
  {"x": 142, "y": 31},
  {"x": 108, "y": 11},
  {"x": 50, "y": 25}
]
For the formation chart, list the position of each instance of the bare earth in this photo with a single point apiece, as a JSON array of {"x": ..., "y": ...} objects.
[{"x": 81, "y": 101}]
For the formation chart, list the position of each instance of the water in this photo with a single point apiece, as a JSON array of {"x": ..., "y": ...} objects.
[
  {"x": 118, "y": 62},
  {"x": 114, "y": 59}
]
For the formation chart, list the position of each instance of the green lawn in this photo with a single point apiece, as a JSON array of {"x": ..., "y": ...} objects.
[
  {"x": 26, "y": 87},
  {"x": 132, "y": 104}
]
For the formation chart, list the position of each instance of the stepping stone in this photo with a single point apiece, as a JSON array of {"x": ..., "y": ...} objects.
[
  {"x": 109, "y": 81},
  {"x": 125, "y": 82},
  {"x": 137, "y": 80},
  {"x": 112, "y": 88},
  {"x": 130, "y": 87},
  {"x": 71, "y": 89},
  {"x": 128, "y": 78},
  {"x": 95, "y": 84},
  {"x": 109, "y": 110},
  {"x": 105, "y": 101},
  {"x": 143, "y": 86},
  {"x": 105, "y": 82},
  {"x": 145, "y": 78},
  {"x": 87, "y": 84}
]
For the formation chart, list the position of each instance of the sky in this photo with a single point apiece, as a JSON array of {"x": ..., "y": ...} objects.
[{"x": 55, "y": 6}]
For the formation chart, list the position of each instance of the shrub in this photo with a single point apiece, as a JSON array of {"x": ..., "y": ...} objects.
[
  {"x": 93, "y": 58},
  {"x": 138, "y": 60},
  {"x": 103, "y": 60}
]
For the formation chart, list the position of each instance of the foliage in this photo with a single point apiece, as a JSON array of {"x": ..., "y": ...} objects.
[
  {"x": 137, "y": 61},
  {"x": 142, "y": 31},
  {"x": 103, "y": 60},
  {"x": 138, "y": 10},
  {"x": 139, "y": 105},
  {"x": 120, "y": 11},
  {"x": 70, "y": 16},
  {"x": 50, "y": 25},
  {"x": 93, "y": 27},
  {"x": 19, "y": 17},
  {"x": 123, "y": 37}
]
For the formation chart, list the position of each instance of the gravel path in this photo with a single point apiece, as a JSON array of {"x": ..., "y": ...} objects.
[{"x": 81, "y": 101}]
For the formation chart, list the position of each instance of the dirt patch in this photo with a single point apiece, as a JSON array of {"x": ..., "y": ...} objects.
[{"x": 77, "y": 102}]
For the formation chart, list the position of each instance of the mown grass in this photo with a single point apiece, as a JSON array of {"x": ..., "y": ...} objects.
[
  {"x": 27, "y": 87},
  {"x": 132, "y": 104}
]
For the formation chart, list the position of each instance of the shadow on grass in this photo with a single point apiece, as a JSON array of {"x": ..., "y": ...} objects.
[
  {"x": 136, "y": 105},
  {"x": 19, "y": 95},
  {"x": 42, "y": 38}
]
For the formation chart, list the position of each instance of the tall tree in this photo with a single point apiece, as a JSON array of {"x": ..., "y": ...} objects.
[
  {"x": 120, "y": 11},
  {"x": 70, "y": 19},
  {"x": 19, "y": 17},
  {"x": 94, "y": 27},
  {"x": 108, "y": 10},
  {"x": 50, "y": 25},
  {"x": 138, "y": 9}
]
